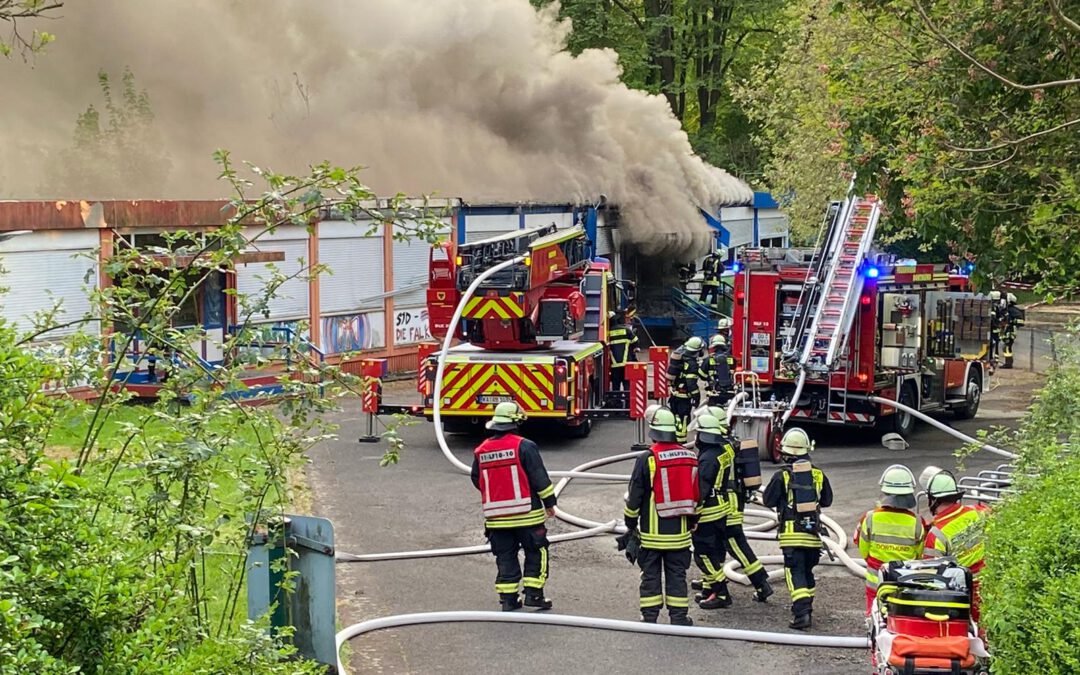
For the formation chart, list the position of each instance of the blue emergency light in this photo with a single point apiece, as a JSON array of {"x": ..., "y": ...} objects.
[
  {"x": 735, "y": 267},
  {"x": 871, "y": 272}
]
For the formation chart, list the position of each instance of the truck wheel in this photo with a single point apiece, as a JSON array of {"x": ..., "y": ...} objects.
[
  {"x": 581, "y": 430},
  {"x": 770, "y": 449},
  {"x": 900, "y": 421},
  {"x": 972, "y": 397}
]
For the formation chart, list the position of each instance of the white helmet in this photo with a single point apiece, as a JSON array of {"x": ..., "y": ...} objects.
[
  {"x": 897, "y": 480},
  {"x": 796, "y": 443},
  {"x": 723, "y": 324}
]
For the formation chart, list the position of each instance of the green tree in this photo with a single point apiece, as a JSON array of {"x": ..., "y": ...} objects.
[
  {"x": 12, "y": 12},
  {"x": 116, "y": 150}
]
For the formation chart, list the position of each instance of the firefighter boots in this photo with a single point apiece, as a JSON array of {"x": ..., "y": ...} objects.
[
  {"x": 681, "y": 620},
  {"x": 714, "y": 601},
  {"x": 537, "y": 600},
  {"x": 509, "y": 601},
  {"x": 762, "y": 592},
  {"x": 801, "y": 622},
  {"x": 697, "y": 584},
  {"x": 650, "y": 617}
]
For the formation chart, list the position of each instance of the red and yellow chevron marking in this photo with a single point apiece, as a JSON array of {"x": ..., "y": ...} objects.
[
  {"x": 527, "y": 383},
  {"x": 506, "y": 307}
]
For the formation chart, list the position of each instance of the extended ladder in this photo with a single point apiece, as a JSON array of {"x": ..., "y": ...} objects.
[{"x": 839, "y": 295}]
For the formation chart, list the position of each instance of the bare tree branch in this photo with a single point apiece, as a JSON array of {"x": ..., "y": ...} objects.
[
  {"x": 991, "y": 165},
  {"x": 1018, "y": 141},
  {"x": 937, "y": 32},
  {"x": 630, "y": 13},
  {"x": 1055, "y": 7}
]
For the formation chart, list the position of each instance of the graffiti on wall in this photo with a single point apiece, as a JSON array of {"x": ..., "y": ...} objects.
[
  {"x": 411, "y": 326},
  {"x": 352, "y": 332}
]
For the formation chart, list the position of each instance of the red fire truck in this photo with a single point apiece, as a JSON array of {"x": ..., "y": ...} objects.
[
  {"x": 821, "y": 329},
  {"x": 534, "y": 332}
]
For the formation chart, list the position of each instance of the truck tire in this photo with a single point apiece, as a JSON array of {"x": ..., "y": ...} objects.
[
  {"x": 900, "y": 422},
  {"x": 581, "y": 430},
  {"x": 972, "y": 397}
]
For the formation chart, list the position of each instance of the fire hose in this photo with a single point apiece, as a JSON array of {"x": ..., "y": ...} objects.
[
  {"x": 592, "y": 529},
  {"x": 835, "y": 541}
]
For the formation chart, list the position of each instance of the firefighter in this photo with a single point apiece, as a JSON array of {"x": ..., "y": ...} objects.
[
  {"x": 723, "y": 327},
  {"x": 798, "y": 492},
  {"x": 517, "y": 498},
  {"x": 664, "y": 518},
  {"x": 712, "y": 267},
  {"x": 622, "y": 344},
  {"x": 737, "y": 544},
  {"x": 1013, "y": 317},
  {"x": 686, "y": 273},
  {"x": 716, "y": 371},
  {"x": 682, "y": 377},
  {"x": 996, "y": 320},
  {"x": 716, "y": 458},
  {"x": 956, "y": 530},
  {"x": 891, "y": 531}
]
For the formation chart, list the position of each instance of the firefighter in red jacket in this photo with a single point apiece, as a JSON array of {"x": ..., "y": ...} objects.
[
  {"x": 957, "y": 530},
  {"x": 517, "y": 498},
  {"x": 662, "y": 506}
]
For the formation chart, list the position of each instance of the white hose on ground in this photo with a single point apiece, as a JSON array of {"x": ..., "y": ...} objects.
[
  {"x": 937, "y": 423},
  {"x": 795, "y": 639}
]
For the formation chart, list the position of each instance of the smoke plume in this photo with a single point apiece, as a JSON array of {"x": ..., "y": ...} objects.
[{"x": 469, "y": 98}]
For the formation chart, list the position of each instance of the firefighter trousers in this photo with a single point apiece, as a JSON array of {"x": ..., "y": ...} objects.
[
  {"x": 618, "y": 379},
  {"x": 681, "y": 407},
  {"x": 799, "y": 563},
  {"x": 709, "y": 549},
  {"x": 710, "y": 293},
  {"x": 739, "y": 548},
  {"x": 505, "y": 544},
  {"x": 663, "y": 581}
]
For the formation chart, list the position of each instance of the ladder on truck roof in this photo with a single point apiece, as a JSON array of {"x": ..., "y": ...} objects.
[{"x": 838, "y": 296}]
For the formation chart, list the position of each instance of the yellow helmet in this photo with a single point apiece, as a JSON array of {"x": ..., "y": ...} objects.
[{"x": 506, "y": 417}]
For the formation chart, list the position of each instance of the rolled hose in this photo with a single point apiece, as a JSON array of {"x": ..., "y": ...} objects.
[{"x": 793, "y": 639}]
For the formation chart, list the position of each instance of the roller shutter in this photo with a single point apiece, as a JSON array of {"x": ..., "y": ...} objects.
[{"x": 46, "y": 267}]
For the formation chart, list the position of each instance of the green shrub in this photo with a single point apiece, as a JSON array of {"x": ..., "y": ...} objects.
[{"x": 1031, "y": 586}]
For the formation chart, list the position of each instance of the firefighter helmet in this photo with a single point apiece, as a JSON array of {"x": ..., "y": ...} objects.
[
  {"x": 662, "y": 425},
  {"x": 796, "y": 443},
  {"x": 897, "y": 480},
  {"x": 717, "y": 341},
  {"x": 939, "y": 483},
  {"x": 1011, "y": 298},
  {"x": 694, "y": 344},
  {"x": 507, "y": 416},
  {"x": 711, "y": 430},
  {"x": 723, "y": 324},
  {"x": 994, "y": 295}
]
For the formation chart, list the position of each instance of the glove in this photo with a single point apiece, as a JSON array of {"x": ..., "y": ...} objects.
[{"x": 631, "y": 543}]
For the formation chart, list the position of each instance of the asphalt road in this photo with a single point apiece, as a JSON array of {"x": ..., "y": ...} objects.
[{"x": 424, "y": 503}]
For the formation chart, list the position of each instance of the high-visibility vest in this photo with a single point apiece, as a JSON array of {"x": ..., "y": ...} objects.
[
  {"x": 887, "y": 534},
  {"x": 504, "y": 487},
  {"x": 958, "y": 532},
  {"x": 619, "y": 344},
  {"x": 673, "y": 470}
]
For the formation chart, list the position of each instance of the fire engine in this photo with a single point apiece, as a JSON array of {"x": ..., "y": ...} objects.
[
  {"x": 534, "y": 332},
  {"x": 817, "y": 331}
]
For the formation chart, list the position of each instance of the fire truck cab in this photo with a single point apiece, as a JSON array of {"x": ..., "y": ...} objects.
[{"x": 910, "y": 339}]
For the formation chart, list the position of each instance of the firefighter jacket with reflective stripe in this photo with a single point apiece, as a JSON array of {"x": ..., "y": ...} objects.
[
  {"x": 498, "y": 485},
  {"x": 713, "y": 267},
  {"x": 793, "y": 526},
  {"x": 640, "y": 512},
  {"x": 716, "y": 475},
  {"x": 621, "y": 340},
  {"x": 682, "y": 374},
  {"x": 886, "y": 534},
  {"x": 716, "y": 370},
  {"x": 957, "y": 531}
]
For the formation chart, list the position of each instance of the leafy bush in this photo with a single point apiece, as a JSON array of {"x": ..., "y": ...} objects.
[{"x": 1031, "y": 585}]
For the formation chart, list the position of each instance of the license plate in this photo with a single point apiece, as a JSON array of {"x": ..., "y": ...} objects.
[
  {"x": 490, "y": 398},
  {"x": 759, "y": 339}
]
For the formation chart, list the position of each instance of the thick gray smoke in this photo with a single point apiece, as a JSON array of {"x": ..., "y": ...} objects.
[{"x": 469, "y": 98}]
